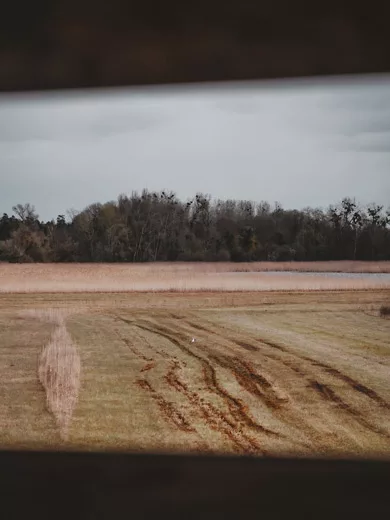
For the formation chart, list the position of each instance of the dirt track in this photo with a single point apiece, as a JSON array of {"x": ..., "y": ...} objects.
[{"x": 262, "y": 394}]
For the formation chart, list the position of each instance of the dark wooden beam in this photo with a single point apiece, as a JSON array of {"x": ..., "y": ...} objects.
[
  {"x": 51, "y": 44},
  {"x": 108, "y": 486}
]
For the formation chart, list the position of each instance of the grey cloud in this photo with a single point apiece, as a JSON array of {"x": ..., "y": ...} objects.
[
  {"x": 69, "y": 118},
  {"x": 259, "y": 142},
  {"x": 361, "y": 108},
  {"x": 371, "y": 142},
  {"x": 370, "y": 125},
  {"x": 371, "y": 93}
]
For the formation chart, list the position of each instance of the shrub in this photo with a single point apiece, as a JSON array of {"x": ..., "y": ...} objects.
[
  {"x": 223, "y": 256},
  {"x": 384, "y": 311},
  {"x": 197, "y": 256}
]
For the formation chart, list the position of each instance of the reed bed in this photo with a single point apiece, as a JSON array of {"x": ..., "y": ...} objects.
[{"x": 184, "y": 277}]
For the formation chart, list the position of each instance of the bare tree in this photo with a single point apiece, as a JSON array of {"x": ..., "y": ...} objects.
[{"x": 25, "y": 212}]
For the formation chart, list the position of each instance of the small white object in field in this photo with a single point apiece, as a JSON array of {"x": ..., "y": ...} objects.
[{"x": 193, "y": 340}]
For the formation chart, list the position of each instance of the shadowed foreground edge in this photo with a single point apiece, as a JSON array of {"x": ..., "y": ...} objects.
[{"x": 107, "y": 485}]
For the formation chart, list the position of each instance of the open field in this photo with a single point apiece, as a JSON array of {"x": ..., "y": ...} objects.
[
  {"x": 303, "y": 373},
  {"x": 87, "y": 278}
]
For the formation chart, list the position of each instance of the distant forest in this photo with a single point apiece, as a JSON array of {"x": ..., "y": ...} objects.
[{"x": 153, "y": 226}]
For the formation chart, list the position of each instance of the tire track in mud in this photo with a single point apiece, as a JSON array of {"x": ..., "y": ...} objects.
[
  {"x": 256, "y": 384},
  {"x": 254, "y": 348},
  {"x": 213, "y": 416},
  {"x": 237, "y": 408},
  {"x": 285, "y": 414},
  {"x": 131, "y": 323},
  {"x": 170, "y": 413},
  {"x": 328, "y": 394},
  {"x": 354, "y": 384},
  {"x": 358, "y": 387},
  {"x": 260, "y": 387},
  {"x": 314, "y": 385},
  {"x": 250, "y": 347},
  {"x": 168, "y": 410},
  {"x": 198, "y": 327},
  {"x": 246, "y": 346},
  {"x": 133, "y": 349},
  {"x": 148, "y": 366}
]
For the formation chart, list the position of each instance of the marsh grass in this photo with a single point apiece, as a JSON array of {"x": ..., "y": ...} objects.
[{"x": 179, "y": 277}]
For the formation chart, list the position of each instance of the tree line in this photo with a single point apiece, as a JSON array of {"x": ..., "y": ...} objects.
[{"x": 158, "y": 226}]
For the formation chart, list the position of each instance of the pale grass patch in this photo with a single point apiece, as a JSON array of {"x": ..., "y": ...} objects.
[
  {"x": 55, "y": 315},
  {"x": 58, "y": 366},
  {"x": 59, "y": 372}
]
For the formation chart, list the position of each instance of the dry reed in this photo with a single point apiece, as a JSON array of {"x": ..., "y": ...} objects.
[
  {"x": 59, "y": 373},
  {"x": 58, "y": 367},
  {"x": 54, "y": 315},
  {"x": 179, "y": 277}
]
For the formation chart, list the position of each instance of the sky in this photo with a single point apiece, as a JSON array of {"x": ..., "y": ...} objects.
[{"x": 301, "y": 143}]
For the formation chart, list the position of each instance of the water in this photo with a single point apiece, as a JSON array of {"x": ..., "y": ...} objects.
[
  {"x": 380, "y": 277},
  {"x": 371, "y": 278}
]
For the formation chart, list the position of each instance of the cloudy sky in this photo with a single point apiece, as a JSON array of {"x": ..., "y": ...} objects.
[{"x": 299, "y": 143}]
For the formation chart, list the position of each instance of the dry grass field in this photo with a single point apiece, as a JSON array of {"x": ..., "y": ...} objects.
[{"x": 300, "y": 372}]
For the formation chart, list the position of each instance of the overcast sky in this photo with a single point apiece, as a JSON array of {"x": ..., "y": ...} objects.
[{"x": 299, "y": 143}]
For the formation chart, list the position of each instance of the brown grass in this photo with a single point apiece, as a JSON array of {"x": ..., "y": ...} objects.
[
  {"x": 270, "y": 374},
  {"x": 185, "y": 277}
]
